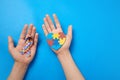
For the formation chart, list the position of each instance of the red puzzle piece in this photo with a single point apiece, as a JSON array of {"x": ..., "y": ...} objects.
[
  {"x": 50, "y": 42},
  {"x": 62, "y": 35}
]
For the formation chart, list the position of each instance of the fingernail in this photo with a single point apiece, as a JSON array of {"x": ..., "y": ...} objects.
[
  {"x": 34, "y": 27},
  {"x": 25, "y": 25},
  {"x": 43, "y": 25},
  {"x": 31, "y": 24},
  {"x": 54, "y": 14},
  {"x": 44, "y": 19},
  {"x": 36, "y": 33},
  {"x": 8, "y": 37},
  {"x": 47, "y": 15},
  {"x": 70, "y": 25}
]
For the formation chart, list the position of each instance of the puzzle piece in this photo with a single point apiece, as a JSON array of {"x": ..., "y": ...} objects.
[
  {"x": 55, "y": 36},
  {"x": 56, "y": 47},
  {"x": 62, "y": 35},
  {"x": 50, "y": 42},
  {"x": 55, "y": 42},
  {"x": 62, "y": 41},
  {"x": 49, "y": 36}
]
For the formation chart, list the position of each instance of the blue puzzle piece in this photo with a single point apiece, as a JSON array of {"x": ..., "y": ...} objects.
[
  {"x": 55, "y": 42},
  {"x": 49, "y": 36},
  {"x": 56, "y": 47}
]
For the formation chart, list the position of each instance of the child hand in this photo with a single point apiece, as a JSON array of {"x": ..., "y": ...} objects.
[
  {"x": 15, "y": 51},
  {"x": 53, "y": 32}
]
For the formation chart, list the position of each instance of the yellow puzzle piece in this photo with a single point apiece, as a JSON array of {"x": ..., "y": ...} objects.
[
  {"x": 62, "y": 41},
  {"x": 55, "y": 36}
]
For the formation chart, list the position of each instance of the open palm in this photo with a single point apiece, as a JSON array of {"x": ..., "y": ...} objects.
[
  {"x": 48, "y": 27},
  {"x": 15, "y": 51}
]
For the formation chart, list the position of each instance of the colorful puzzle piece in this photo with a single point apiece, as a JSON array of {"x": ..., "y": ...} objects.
[
  {"x": 62, "y": 35},
  {"x": 49, "y": 36},
  {"x": 62, "y": 41},
  {"x": 56, "y": 40},
  {"x": 56, "y": 47},
  {"x": 55, "y": 36},
  {"x": 50, "y": 42}
]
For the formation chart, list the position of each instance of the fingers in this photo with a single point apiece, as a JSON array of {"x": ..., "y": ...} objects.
[
  {"x": 30, "y": 29},
  {"x": 47, "y": 25},
  {"x": 45, "y": 30},
  {"x": 22, "y": 36},
  {"x": 35, "y": 44},
  {"x": 36, "y": 39},
  {"x": 56, "y": 21},
  {"x": 70, "y": 31},
  {"x": 50, "y": 22},
  {"x": 33, "y": 32},
  {"x": 10, "y": 43}
]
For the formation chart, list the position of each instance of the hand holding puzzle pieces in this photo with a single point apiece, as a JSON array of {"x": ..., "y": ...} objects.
[
  {"x": 56, "y": 40},
  {"x": 28, "y": 45}
]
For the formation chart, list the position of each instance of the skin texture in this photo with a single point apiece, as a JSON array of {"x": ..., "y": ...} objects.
[
  {"x": 21, "y": 61},
  {"x": 63, "y": 54}
]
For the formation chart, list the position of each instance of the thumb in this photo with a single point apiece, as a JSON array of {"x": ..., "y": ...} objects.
[
  {"x": 69, "y": 33},
  {"x": 10, "y": 43}
]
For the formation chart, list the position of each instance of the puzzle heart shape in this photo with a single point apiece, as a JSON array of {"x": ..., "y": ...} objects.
[{"x": 56, "y": 40}]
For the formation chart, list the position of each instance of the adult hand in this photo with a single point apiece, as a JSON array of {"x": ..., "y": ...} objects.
[
  {"x": 49, "y": 27},
  {"x": 15, "y": 51}
]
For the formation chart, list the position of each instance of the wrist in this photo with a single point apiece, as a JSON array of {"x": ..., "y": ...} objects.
[
  {"x": 18, "y": 71},
  {"x": 21, "y": 65},
  {"x": 63, "y": 54}
]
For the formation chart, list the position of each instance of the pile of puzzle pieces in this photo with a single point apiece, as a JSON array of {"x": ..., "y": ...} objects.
[
  {"x": 56, "y": 40},
  {"x": 28, "y": 45}
]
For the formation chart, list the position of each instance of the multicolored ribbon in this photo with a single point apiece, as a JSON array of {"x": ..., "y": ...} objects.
[{"x": 28, "y": 45}]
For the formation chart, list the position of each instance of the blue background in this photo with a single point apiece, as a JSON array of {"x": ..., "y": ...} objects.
[{"x": 95, "y": 46}]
